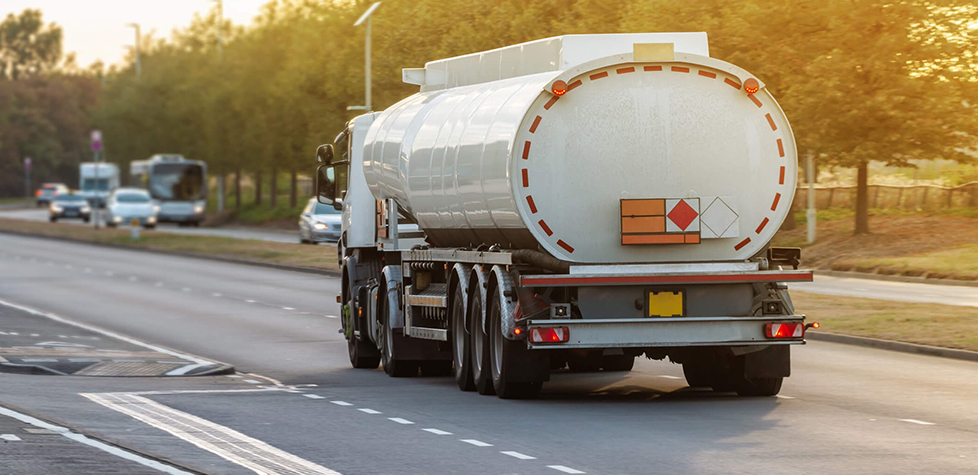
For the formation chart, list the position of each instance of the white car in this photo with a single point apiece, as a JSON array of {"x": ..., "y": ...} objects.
[
  {"x": 319, "y": 223},
  {"x": 127, "y": 204}
]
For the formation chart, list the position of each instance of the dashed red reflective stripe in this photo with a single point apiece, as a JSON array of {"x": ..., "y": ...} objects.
[
  {"x": 546, "y": 229},
  {"x": 653, "y": 68},
  {"x": 526, "y": 150},
  {"x": 567, "y": 247},
  {"x": 761, "y": 227},
  {"x": 707, "y": 74},
  {"x": 595, "y": 77},
  {"x": 679, "y": 69},
  {"x": 625, "y": 70},
  {"x": 526, "y": 178},
  {"x": 741, "y": 245},
  {"x": 533, "y": 206},
  {"x": 536, "y": 122},
  {"x": 781, "y": 179},
  {"x": 777, "y": 198}
]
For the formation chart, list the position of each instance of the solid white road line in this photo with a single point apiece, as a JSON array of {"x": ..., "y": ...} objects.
[
  {"x": 331, "y": 316},
  {"x": 437, "y": 431},
  {"x": 518, "y": 455},
  {"x": 251, "y": 381},
  {"x": 10, "y": 437},
  {"x": 132, "y": 341},
  {"x": 224, "y": 442},
  {"x": 477, "y": 443},
  {"x": 399, "y": 420},
  {"x": 915, "y": 421},
  {"x": 169, "y": 470},
  {"x": 341, "y": 403},
  {"x": 313, "y": 396},
  {"x": 564, "y": 469},
  {"x": 368, "y": 411},
  {"x": 287, "y": 308}
]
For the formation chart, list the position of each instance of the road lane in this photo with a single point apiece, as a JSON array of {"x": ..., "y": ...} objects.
[
  {"x": 848, "y": 410},
  {"x": 887, "y": 290},
  {"x": 273, "y": 235}
]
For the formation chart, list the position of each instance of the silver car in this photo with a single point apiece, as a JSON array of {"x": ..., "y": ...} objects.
[
  {"x": 319, "y": 223},
  {"x": 127, "y": 204}
]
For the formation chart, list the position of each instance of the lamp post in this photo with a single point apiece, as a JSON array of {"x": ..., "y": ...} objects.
[
  {"x": 139, "y": 64},
  {"x": 366, "y": 18},
  {"x": 220, "y": 58}
]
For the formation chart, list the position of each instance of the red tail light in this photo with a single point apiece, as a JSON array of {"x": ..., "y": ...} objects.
[
  {"x": 38, "y": 193},
  {"x": 784, "y": 330},
  {"x": 550, "y": 335}
]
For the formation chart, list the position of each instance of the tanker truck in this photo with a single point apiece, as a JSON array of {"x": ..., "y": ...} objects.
[{"x": 572, "y": 202}]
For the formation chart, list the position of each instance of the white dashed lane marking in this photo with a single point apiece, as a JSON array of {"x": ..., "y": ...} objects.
[
  {"x": 779, "y": 396},
  {"x": 215, "y": 294},
  {"x": 10, "y": 437},
  {"x": 564, "y": 469},
  {"x": 368, "y": 411},
  {"x": 400, "y": 421},
  {"x": 251, "y": 381},
  {"x": 477, "y": 443},
  {"x": 518, "y": 455},
  {"x": 915, "y": 421},
  {"x": 287, "y": 308},
  {"x": 331, "y": 316},
  {"x": 341, "y": 403},
  {"x": 250, "y": 301},
  {"x": 313, "y": 396},
  {"x": 437, "y": 431}
]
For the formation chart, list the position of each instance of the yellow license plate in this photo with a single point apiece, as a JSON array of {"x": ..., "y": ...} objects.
[{"x": 666, "y": 303}]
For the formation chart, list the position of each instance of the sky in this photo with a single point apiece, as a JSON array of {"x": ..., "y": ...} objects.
[{"x": 96, "y": 29}]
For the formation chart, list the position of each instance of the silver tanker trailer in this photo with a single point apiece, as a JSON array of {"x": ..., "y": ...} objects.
[{"x": 575, "y": 201}]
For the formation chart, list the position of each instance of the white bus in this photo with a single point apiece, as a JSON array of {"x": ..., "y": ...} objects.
[{"x": 177, "y": 185}]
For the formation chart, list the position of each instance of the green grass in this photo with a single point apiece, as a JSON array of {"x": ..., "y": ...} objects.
[
  {"x": 320, "y": 257},
  {"x": 836, "y": 214},
  {"x": 947, "y": 326},
  {"x": 250, "y": 213},
  {"x": 956, "y": 263},
  {"x": 15, "y": 201}
]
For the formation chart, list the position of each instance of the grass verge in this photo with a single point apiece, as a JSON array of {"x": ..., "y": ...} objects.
[
  {"x": 947, "y": 326},
  {"x": 960, "y": 263},
  {"x": 317, "y": 257}
]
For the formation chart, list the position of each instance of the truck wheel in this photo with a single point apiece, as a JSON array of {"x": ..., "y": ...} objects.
[
  {"x": 479, "y": 344},
  {"x": 618, "y": 363},
  {"x": 53, "y": 219},
  {"x": 358, "y": 354},
  {"x": 697, "y": 375},
  {"x": 394, "y": 367},
  {"x": 504, "y": 357},
  {"x": 758, "y": 386},
  {"x": 461, "y": 353}
]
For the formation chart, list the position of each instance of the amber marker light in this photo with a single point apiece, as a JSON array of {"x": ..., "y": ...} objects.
[
  {"x": 559, "y": 88},
  {"x": 751, "y": 86}
]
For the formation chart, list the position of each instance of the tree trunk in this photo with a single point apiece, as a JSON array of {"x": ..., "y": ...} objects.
[
  {"x": 274, "y": 188},
  {"x": 292, "y": 190},
  {"x": 237, "y": 189},
  {"x": 258, "y": 188},
  {"x": 862, "y": 199}
]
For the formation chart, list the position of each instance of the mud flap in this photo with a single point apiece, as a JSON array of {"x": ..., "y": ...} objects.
[{"x": 771, "y": 362}]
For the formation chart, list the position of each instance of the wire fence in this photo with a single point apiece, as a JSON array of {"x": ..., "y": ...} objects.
[{"x": 908, "y": 197}]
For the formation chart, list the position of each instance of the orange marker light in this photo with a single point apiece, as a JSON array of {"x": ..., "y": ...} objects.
[
  {"x": 559, "y": 88},
  {"x": 751, "y": 86}
]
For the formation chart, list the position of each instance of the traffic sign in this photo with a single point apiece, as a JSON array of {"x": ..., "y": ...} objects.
[
  {"x": 96, "y": 140},
  {"x": 27, "y": 163}
]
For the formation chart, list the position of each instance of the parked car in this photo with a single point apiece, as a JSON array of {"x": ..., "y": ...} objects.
[
  {"x": 127, "y": 204},
  {"x": 69, "y": 205},
  {"x": 46, "y": 193},
  {"x": 319, "y": 223}
]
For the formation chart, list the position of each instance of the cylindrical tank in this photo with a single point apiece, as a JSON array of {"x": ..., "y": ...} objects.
[{"x": 638, "y": 162}]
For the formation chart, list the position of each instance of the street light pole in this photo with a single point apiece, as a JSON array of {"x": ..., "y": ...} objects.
[
  {"x": 139, "y": 63},
  {"x": 366, "y": 18},
  {"x": 810, "y": 215},
  {"x": 220, "y": 58}
]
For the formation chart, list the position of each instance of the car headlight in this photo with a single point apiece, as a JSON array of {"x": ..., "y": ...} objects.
[
  {"x": 198, "y": 209},
  {"x": 151, "y": 219},
  {"x": 319, "y": 226},
  {"x": 117, "y": 219},
  {"x": 86, "y": 209},
  {"x": 56, "y": 208},
  {"x": 156, "y": 208}
]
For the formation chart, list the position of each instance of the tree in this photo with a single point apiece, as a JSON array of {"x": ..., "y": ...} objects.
[{"x": 27, "y": 46}]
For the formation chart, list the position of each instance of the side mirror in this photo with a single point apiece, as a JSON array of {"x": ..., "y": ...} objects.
[
  {"x": 338, "y": 204},
  {"x": 324, "y": 154},
  {"x": 325, "y": 183}
]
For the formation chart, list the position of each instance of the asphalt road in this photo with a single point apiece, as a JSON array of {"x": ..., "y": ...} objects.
[
  {"x": 299, "y": 407},
  {"x": 888, "y": 290},
  {"x": 41, "y": 214}
]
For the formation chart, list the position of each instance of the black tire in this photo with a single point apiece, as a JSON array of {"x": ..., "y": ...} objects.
[
  {"x": 196, "y": 224},
  {"x": 461, "y": 342},
  {"x": 479, "y": 344},
  {"x": 150, "y": 226},
  {"x": 359, "y": 350},
  {"x": 435, "y": 369},
  {"x": 754, "y": 387},
  {"x": 53, "y": 219},
  {"x": 394, "y": 367},
  {"x": 697, "y": 375},
  {"x": 504, "y": 354},
  {"x": 618, "y": 363}
]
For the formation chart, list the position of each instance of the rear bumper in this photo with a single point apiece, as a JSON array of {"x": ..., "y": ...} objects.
[
  {"x": 667, "y": 332},
  {"x": 180, "y": 218},
  {"x": 325, "y": 235}
]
